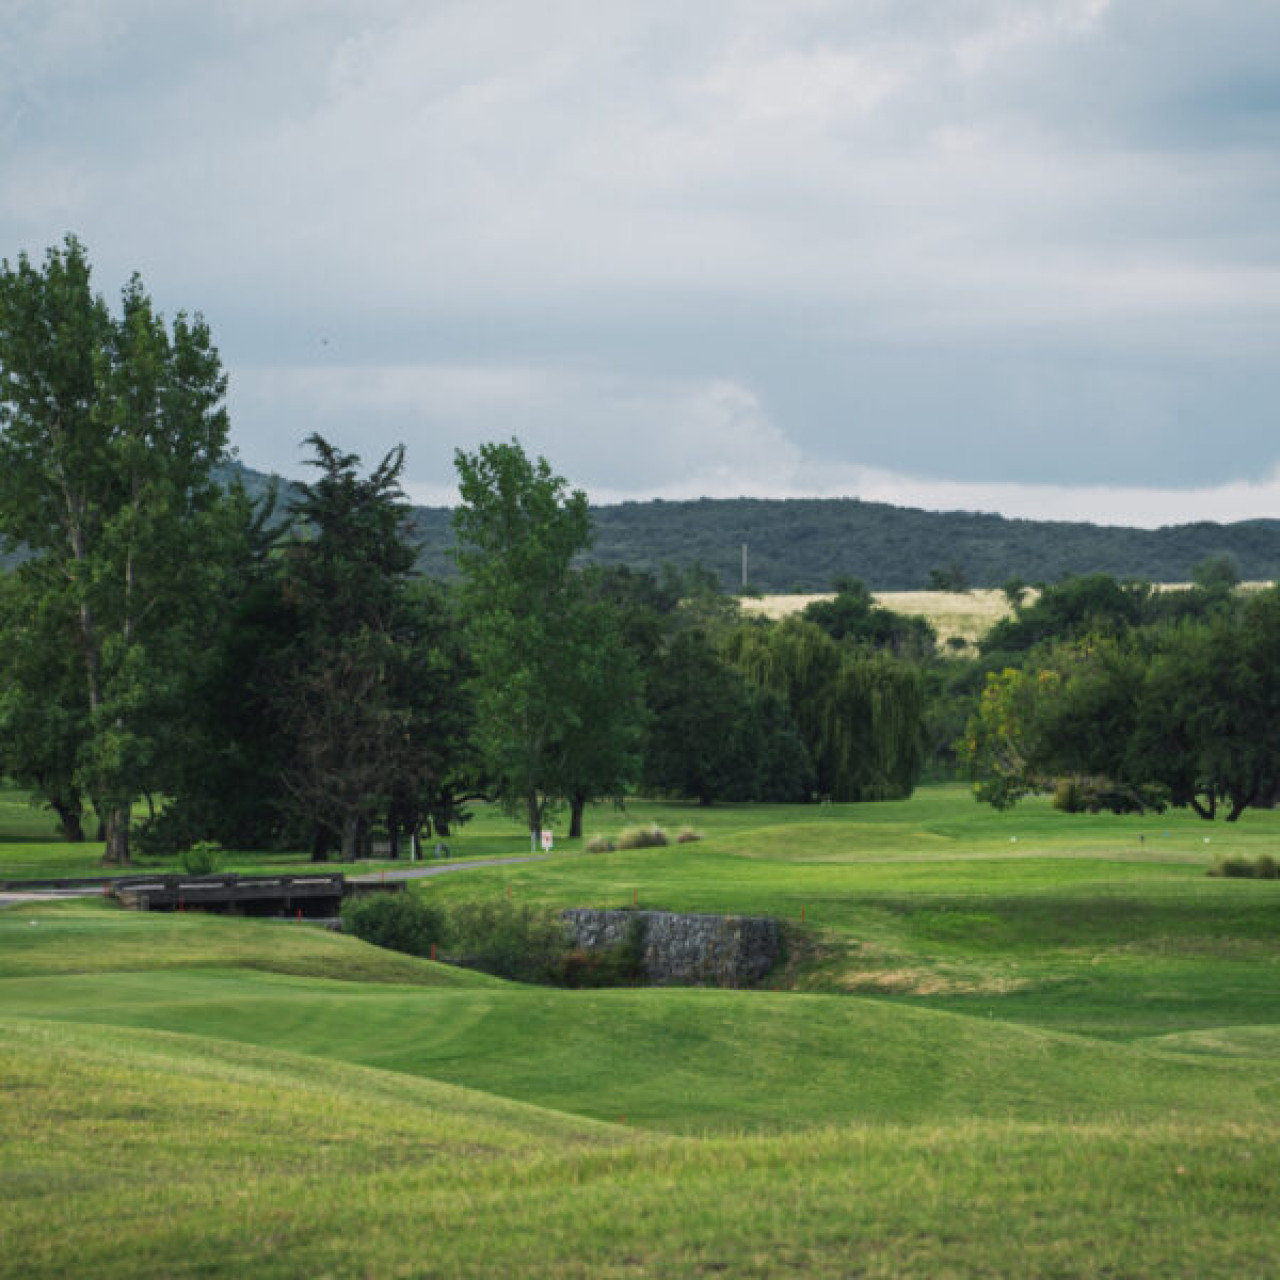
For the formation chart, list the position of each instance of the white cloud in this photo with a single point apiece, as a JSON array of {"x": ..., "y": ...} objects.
[{"x": 1100, "y": 504}]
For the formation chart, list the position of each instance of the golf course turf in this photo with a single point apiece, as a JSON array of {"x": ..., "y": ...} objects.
[{"x": 1010, "y": 1044}]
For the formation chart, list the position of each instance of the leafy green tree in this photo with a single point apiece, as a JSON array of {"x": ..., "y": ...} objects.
[
  {"x": 440, "y": 770},
  {"x": 784, "y": 772},
  {"x": 953, "y": 685},
  {"x": 853, "y": 615},
  {"x": 1002, "y": 748},
  {"x": 1092, "y": 604},
  {"x": 557, "y": 692},
  {"x": 110, "y": 427},
  {"x": 223, "y": 758},
  {"x": 699, "y": 739},
  {"x": 44, "y": 709},
  {"x": 1186, "y": 714},
  {"x": 1209, "y": 720},
  {"x": 1064, "y": 725},
  {"x": 949, "y": 577},
  {"x": 602, "y": 754},
  {"x": 1217, "y": 573}
]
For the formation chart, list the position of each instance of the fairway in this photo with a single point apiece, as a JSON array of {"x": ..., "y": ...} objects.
[{"x": 1001, "y": 1044}]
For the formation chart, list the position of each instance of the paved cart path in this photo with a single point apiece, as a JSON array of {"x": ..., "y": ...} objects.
[{"x": 421, "y": 873}]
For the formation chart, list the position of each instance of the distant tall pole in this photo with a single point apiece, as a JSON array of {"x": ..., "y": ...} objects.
[{"x": 744, "y": 566}]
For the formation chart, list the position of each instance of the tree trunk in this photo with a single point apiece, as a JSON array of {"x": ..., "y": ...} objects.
[
  {"x": 393, "y": 839},
  {"x": 576, "y": 805},
  {"x": 320, "y": 842},
  {"x": 116, "y": 853},
  {"x": 350, "y": 837},
  {"x": 534, "y": 808},
  {"x": 69, "y": 818}
]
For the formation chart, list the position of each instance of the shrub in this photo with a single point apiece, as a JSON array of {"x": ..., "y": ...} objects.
[
  {"x": 1234, "y": 867},
  {"x": 167, "y": 833},
  {"x": 650, "y": 837},
  {"x": 204, "y": 858},
  {"x": 1067, "y": 796},
  {"x": 525, "y": 944},
  {"x": 398, "y": 921},
  {"x": 1266, "y": 867},
  {"x": 600, "y": 844},
  {"x": 687, "y": 835}
]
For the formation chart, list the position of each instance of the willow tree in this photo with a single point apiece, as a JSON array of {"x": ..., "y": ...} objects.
[
  {"x": 110, "y": 426},
  {"x": 861, "y": 715}
]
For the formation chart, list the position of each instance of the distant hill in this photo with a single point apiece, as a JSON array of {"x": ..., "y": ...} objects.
[{"x": 801, "y": 544}]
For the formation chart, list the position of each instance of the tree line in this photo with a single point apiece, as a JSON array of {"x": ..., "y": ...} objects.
[
  {"x": 271, "y": 673},
  {"x": 1115, "y": 696}
]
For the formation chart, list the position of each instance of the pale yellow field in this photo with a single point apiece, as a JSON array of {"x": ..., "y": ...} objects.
[{"x": 966, "y": 614}]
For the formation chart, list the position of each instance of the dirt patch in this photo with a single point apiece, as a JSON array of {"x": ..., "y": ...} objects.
[{"x": 926, "y": 982}]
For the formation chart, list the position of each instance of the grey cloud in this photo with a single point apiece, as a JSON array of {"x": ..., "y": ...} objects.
[{"x": 978, "y": 241}]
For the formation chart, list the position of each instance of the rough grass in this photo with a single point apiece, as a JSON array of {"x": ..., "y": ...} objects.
[{"x": 164, "y": 1156}]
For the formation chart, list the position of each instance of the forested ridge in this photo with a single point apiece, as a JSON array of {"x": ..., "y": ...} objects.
[{"x": 805, "y": 543}]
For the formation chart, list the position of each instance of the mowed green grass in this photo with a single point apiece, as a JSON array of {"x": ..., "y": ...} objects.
[
  {"x": 694, "y": 1061},
  {"x": 1049, "y": 1055}
]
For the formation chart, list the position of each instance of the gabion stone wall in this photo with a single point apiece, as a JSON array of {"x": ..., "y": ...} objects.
[{"x": 721, "y": 951}]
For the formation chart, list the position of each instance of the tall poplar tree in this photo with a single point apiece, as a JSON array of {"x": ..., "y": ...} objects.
[{"x": 110, "y": 426}]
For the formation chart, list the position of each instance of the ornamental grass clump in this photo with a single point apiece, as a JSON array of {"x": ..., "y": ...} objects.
[
  {"x": 650, "y": 837},
  {"x": 687, "y": 835},
  {"x": 1237, "y": 867},
  {"x": 600, "y": 844}
]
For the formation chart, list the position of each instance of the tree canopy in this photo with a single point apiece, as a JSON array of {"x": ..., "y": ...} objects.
[
  {"x": 558, "y": 697},
  {"x": 110, "y": 427}
]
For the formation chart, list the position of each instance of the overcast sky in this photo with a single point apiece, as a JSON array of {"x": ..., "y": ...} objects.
[{"x": 1015, "y": 255}]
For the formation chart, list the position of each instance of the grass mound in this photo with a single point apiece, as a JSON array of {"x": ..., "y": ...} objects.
[
  {"x": 92, "y": 937},
  {"x": 692, "y": 1061},
  {"x": 174, "y": 1155}
]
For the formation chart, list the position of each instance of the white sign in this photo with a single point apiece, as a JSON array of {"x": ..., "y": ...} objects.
[{"x": 546, "y": 841}]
